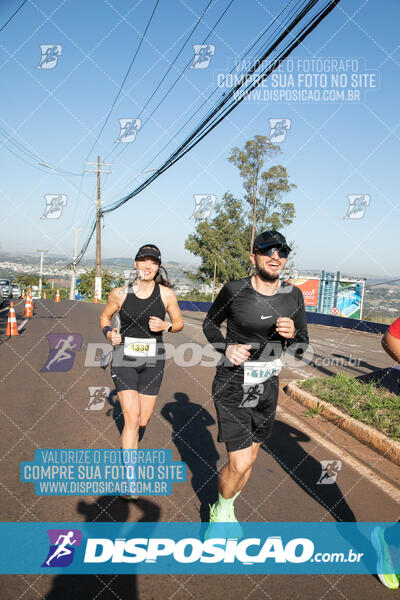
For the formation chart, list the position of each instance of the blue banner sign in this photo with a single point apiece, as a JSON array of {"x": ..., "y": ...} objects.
[{"x": 278, "y": 548}]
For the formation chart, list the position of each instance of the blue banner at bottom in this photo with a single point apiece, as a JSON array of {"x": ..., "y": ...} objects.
[{"x": 126, "y": 548}]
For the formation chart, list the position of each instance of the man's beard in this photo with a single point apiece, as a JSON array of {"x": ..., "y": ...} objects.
[{"x": 265, "y": 276}]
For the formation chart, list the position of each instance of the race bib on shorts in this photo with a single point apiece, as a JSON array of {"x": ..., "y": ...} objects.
[
  {"x": 139, "y": 347},
  {"x": 258, "y": 372}
]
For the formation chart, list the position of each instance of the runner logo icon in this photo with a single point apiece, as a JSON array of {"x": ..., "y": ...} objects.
[
  {"x": 329, "y": 471},
  {"x": 98, "y": 396},
  {"x": 62, "y": 351},
  {"x": 62, "y": 547},
  {"x": 50, "y": 55},
  {"x": 55, "y": 204},
  {"x": 128, "y": 130},
  {"x": 251, "y": 395},
  {"x": 278, "y": 129},
  {"x": 202, "y": 55},
  {"x": 358, "y": 204}
]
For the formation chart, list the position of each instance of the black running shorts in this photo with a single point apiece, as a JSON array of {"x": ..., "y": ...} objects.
[
  {"x": 143, "y": 375},
  {"x": 245, "y": 413}
]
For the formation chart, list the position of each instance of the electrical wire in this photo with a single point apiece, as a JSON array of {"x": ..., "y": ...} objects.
[
  {"x": 157, "y": 87},
  {"x": 25, "y": 150},
  {"x": 171, "y": 65},
  {"x": 195, "y": 137},
  {"x": 180, "y": 74},
  {"x": 214, "y": 118},
  {"x": 192, "y": 141},
  {"x": 114, "y": 103},
  {"x": 125, "y": 78},
  {"x": 367, "y": 287},
  {"x": 226, "y": 76},
  {"x": 13, "y": 15}
]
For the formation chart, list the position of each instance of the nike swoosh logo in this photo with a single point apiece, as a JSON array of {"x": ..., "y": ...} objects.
[{"x": 269, "y": 317}]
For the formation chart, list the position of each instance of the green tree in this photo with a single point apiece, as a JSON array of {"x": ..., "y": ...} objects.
[
  {"x": 108, "y": 282},
  {"x": 272, "y": 213},
  {"x": 27, "y": 280},
  {"x": 264, "y": 189},
  {"x": 223, "y": 242}
]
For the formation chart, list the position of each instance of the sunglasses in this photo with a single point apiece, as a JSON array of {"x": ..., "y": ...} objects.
[{"x": 282, "y": 252}]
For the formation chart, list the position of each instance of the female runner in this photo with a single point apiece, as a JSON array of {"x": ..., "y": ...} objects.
[{"x": 138, "y": 352}]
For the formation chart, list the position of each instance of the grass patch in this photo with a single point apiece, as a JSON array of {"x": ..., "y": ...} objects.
[
  {"x": 314, "y": 412},
  {"x": 369, "y": 404}
]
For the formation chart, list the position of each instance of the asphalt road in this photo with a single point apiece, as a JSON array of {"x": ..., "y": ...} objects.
[{"x": 50, "y": 410}]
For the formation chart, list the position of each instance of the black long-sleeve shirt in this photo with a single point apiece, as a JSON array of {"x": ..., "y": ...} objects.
[{"x": 251, "y": 319}]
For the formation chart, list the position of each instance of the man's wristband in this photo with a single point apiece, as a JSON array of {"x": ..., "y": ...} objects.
[{"x": 106, "y": 329}]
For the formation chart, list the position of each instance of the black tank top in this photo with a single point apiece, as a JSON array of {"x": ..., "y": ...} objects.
[{"x": 135, "y": 313}]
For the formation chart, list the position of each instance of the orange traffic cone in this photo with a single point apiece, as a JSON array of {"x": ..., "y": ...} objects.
[
  {"x": 12, "y": 328},
  {"x": 96, "y": 298},
  {"x": 23, "y": 294},
  {"x": 28, "y": 307},
  {"x": 57, "y": 298}
]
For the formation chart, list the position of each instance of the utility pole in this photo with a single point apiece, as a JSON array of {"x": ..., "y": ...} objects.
[
  {"x": 97, "y": 279},
  {"x": 41, "y": 271},
  {"x": 73, "y": 268}
]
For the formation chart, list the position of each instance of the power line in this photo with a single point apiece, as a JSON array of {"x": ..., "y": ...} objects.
[
  {"x": 213, "y": 119},
  {"x": 197, "y": 137},
  {"x": 125, "y": 78},
  {"x": 159, "y": 84},
  {"x": 163, "y": 78},
  {"x": 13, "y": 15},
  {"x": 25, "y": 150},
  {"x": 204, "y": 128},
  {"x": 191, "y": 141},
  {"x": 172, "y": 64},
  {"x": 226, "y": 76},
  {"x": 114, "y": 102},
  {"x": 367, "y": 287},
  {"x": 181, "y": 73}
]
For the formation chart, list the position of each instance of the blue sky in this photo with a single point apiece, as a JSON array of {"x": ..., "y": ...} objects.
[{"x": 332, "y": 149}]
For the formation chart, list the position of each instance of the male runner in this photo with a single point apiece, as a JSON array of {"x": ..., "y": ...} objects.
[{"x": 263, "y": 317}]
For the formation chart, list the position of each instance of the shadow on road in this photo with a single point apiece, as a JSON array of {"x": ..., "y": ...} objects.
[
  {"x": 284, "y": 446},
  {"x": 193, "y": 440},
  {"x": 83, "y": 587},
  {"x": 115, "y": 410}
]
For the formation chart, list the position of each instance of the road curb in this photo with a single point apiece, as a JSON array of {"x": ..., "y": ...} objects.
[{"x": 369, "y": 436}]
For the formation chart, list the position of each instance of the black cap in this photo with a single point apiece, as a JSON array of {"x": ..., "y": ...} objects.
[
  {"x": 148, "y": 250},
  {"x": 270, "y": 239}
]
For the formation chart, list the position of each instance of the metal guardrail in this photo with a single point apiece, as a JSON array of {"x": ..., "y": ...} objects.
[{"x": 312, "y": 318}]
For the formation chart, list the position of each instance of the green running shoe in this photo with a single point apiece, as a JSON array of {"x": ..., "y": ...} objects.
[
  {"x": 223, "y": 525},
  {"x": 385, "y": 569}
]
